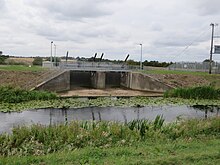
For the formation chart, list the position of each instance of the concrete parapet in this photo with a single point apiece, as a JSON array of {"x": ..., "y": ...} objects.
[
  {"x": 143, "y": 82},
  {"x": 56, "y": 84}
]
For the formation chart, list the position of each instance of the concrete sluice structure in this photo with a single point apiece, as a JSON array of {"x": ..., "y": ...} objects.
[{"x": 73, "y": 79}]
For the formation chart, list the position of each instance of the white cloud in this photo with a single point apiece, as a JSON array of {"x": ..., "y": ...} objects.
[
  {"x": 114, "y": 27},
  {"x": 206, "y": 7},
  {"x": 71, "y": 10},
  {"x": 2, "y": 4}
]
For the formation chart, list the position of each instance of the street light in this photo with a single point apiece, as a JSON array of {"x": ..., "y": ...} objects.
[
  {"x": 55, "y": 54},
  {"x": 211, "y": 51},
  {"x": 51, "y": 54},
  {"x": 141, "y": 58}
]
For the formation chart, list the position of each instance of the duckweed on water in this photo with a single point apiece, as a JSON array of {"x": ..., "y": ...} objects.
[{"x": 102, "y": 102}]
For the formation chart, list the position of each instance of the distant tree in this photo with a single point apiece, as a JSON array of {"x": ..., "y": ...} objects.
[
  {"x": 38, "y": 61},
  {"x": 156, "y": 63},
  {"x": 3, "y": 58},
  {"x": 132, "y": 62},
  {"x": 57, "y": 59},
  {"x": 1, "y": 52},
  {"x": 207, "y": 60}
]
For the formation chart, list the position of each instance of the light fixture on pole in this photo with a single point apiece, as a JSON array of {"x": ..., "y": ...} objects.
[
  {"x": 51, "y": 53},
  {"x": 141, "y": 58}
]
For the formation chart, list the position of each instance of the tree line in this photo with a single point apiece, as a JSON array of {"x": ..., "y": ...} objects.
[{"x": 39, "y": 61}]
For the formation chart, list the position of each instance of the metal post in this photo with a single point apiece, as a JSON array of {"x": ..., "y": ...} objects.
[
  {"x": 141, "y": 58},
  {"x": 210, "y": 60},
  {"x": 51, "y": 54},
  {"x": 55, "y": 55}
]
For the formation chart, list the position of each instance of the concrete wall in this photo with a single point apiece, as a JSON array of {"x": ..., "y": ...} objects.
[
  {"x": 143, "y": 82},
  {"x": 56, "y": 84}
]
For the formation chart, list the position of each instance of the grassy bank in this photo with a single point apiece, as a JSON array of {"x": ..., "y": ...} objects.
[
  {"x": 205, "y": 92},
  {"x": 20, "y": 68},
  {"x": 160, "y": 71},
  {"x": 212, "y": 79},
  {"x": 197, "y": 152},
  {"x": 138, "y": 142}
]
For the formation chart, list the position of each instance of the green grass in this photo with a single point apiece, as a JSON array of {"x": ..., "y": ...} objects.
[
  {"x": 176, "y": 72},
  {"x": 205, "y": 92},
  {"x": 16, "y": 95},
  {"x": 189, "y": 142},
  {"x": 213, "y": 79},
  {"x": 197, "y": 152},
  {"x": 41, "y": 140},
  {"x": 20, "y": 68}
]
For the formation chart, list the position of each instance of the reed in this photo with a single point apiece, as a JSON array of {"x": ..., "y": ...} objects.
[
  {"x": 41, "y": 140},
  {"x": 204, "y": 92},
  {"x": 16, "y": 95}
]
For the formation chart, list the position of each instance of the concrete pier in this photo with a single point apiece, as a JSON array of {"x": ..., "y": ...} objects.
[{"x": 98, "y": 80}]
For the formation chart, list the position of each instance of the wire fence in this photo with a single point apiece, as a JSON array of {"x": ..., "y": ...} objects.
[{"x": 196, "y": 66}]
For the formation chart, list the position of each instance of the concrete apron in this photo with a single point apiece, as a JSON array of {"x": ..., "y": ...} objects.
[{"x": 109, "y": 92}]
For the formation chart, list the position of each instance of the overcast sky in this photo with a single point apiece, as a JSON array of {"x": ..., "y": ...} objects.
[{"x": 114, "y": 27}]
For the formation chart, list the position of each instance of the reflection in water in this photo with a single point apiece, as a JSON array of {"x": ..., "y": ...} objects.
[
  {"x": 50, "y": 116},
  {"x": 56, "y": 116},
  {"x": 93, "y": 115},
  {"x": 138, "y": 113},
  {"x": 207, "y": 108},
  {"x": 65, "y": 115},
  {"x": 100, "y": 118},
  {"x": 124, "y": 117}
]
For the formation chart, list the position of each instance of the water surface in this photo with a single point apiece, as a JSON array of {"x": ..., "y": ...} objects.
[{"x": 56, "y": 116}]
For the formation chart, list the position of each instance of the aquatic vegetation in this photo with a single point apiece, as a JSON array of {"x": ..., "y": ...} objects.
[
  {"x": 204, "y": 92},
  {"x": 41, "y": 140},
  {"x": 102, "y": 102},
  {"x": 16, "y": 95},
  {"x": 12, "y": 99}
]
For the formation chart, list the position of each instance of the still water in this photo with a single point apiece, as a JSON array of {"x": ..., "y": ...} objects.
[{"x": 56, "y": 116}]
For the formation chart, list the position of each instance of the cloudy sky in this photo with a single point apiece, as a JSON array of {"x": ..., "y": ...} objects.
[{"x": 169, "y": 30}]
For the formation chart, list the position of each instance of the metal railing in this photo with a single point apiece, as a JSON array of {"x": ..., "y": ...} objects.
[{"x": 95, "y": 66}]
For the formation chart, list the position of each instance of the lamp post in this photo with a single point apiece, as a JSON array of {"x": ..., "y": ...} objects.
[
  {"x": 211, "y": 51},
  {"x": 141, "y": 58},
  {"x": 55, "y": 47},
  {"x": 51, "y": 53}
]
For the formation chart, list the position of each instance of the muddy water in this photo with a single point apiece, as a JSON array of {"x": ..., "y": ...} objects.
[{"x": 55, "y": 116}]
